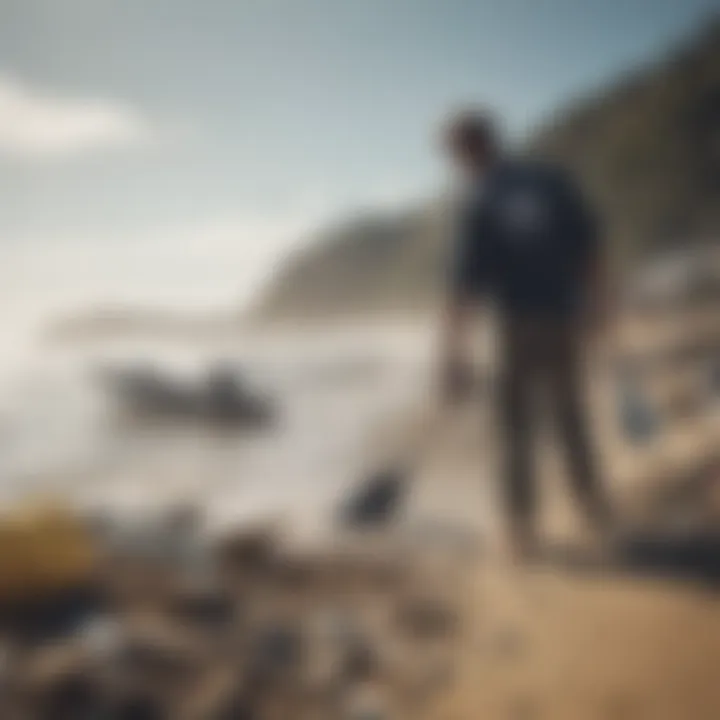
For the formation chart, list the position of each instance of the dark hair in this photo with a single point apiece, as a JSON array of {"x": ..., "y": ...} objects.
[{"x": 472, "y": 131}]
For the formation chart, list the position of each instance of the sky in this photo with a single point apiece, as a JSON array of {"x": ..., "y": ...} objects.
[{"x": 172, "y": 151}]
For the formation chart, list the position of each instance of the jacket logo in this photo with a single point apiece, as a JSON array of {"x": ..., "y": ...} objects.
[{"x": 523, "y": 215}]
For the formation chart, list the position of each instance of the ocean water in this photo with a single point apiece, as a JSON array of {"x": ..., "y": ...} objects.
[{"x": 63, "y": 435}]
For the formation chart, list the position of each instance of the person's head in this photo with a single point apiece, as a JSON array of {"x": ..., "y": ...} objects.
[{"x": 471, "y": 140}]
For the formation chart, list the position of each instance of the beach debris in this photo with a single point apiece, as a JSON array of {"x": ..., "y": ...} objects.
[
  {"x": 377, "y": 501},
  {"x": 209, "y": 607},
  {"x": 275, "y": 650},
  {"x": 361, "y": 662},
  {"x": 248, "y": 552},
  {"x": 102, "y": 637},
  {"x": 223, "y": 395},
  {"x": 340, "y": 650},
  {"x": 136, "y": 705},
  {"x": 228, "y": 398},
  {"x": 689, "y": 553},
  {"x": 44, "y": 549},
  {"x": 75, "y": 696},
  {"x": 272, "y": 631},
  {"x": 173, "y": 540},
  {"x": 59, "y": 681},
  {"x": 638, "y": 418}
]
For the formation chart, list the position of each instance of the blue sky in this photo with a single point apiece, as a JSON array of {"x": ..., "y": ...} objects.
[{"x": 171, "y": 150}]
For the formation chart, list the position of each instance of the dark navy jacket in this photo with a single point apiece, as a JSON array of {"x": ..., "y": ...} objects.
[{"x": 526, "y": 238}]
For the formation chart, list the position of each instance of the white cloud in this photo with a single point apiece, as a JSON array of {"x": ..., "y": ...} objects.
[
  {"x": 36, "y": 124},
  {"x": 215, "y": 263}
]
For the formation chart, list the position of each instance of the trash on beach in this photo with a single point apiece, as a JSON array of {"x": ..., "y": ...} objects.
[
  {"x": 224, "y": 395},
  {"x": 377, "y": 501},
  {"x": 44, "y": 549},
  {"x": 638, "y": 418}
]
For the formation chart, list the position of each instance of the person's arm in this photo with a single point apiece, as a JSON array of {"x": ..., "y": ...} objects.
[{"x": 465, "y": 284}]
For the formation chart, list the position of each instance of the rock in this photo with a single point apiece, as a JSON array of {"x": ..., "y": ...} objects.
[
  {"x": 247, "y": 553},
  {"x": 339, "y": 651},
  {"x": 227, "y": 399},
  {"x": 275, "y": 650},
  {"x": 156, "y": 648},
  {"x": 75, "y": 696},
  {"x": 690, "y": 555},
  {"x": 147, "y": 391},
  {"x": 49, "y": 664},
  {"x": 137, "y": 706},
  {"x": 55, "y": 616},
  {"x": 208, "y": 607},
  {"x": 378, "y": 500}
]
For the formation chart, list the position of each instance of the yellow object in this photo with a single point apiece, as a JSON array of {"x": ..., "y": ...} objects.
[{"x": 43, "y": 549}]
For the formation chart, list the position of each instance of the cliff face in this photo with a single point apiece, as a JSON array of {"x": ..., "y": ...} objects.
[
  {"x": 390, "y": 263},
  {"x": 647, "y": 148}
]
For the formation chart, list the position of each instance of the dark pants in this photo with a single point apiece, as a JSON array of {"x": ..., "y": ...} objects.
[{"x": 543, "y": 361}]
